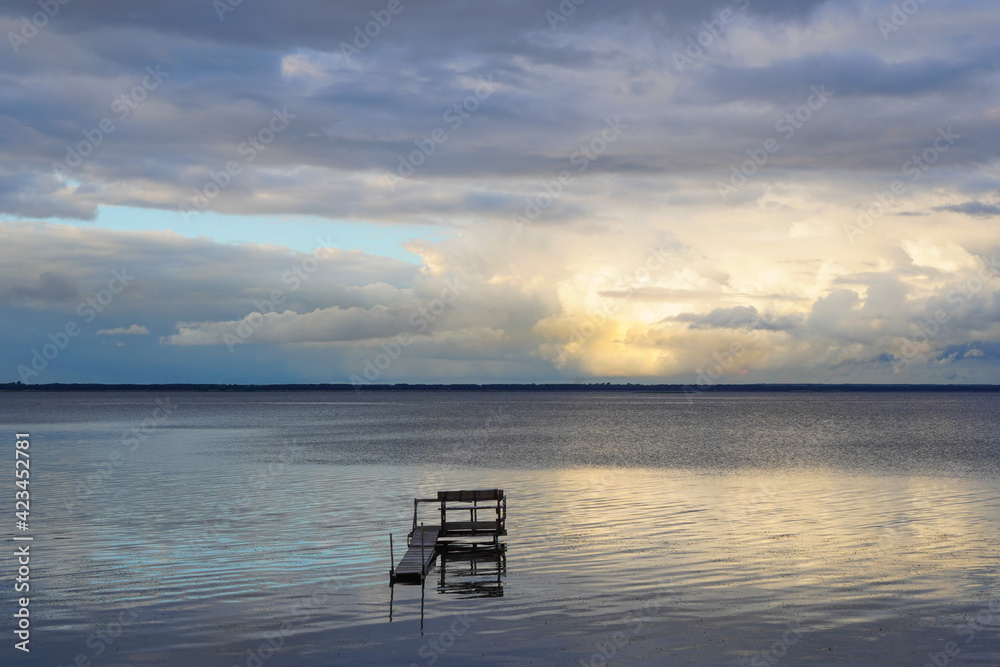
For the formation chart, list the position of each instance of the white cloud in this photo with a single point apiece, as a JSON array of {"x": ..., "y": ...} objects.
[
  {"x": 948, "y": 257},
  {"x": 134, "y": 330}
]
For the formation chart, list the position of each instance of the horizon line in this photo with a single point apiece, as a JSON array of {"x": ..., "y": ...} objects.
[{"x": 498, "y": 386}]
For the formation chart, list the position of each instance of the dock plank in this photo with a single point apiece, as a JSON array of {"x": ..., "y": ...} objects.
[{"x": 413, "y": 566}]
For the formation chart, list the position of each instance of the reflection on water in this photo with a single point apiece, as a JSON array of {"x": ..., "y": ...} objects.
[
  {"x": 640, "y": 529},
  {"x": 472, "y": 572}
]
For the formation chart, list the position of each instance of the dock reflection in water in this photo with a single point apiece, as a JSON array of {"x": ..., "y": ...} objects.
[{"x": 472, "y": 571}]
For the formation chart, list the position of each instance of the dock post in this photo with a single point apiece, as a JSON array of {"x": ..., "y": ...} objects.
[
  {"x": 423, "y": 577},
  {"x": 392, "y": 562}
]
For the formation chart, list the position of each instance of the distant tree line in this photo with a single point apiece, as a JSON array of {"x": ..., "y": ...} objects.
[{"x": 598, "y": 386}]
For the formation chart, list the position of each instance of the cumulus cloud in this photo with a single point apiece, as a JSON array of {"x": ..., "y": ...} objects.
[
  {"x": 498, "y": 305},
  {"x": 945, "y": 257}
]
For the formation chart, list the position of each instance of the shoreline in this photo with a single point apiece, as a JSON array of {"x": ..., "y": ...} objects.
[{"x": 511, "y": 387}]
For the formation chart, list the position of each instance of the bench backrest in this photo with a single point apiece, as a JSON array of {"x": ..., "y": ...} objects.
[{"x": 470, "y": 496}]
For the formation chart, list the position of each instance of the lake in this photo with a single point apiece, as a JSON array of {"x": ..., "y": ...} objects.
[{"x": 214, "y": 528}]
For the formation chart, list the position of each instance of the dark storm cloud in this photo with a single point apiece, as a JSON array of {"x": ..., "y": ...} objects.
[
  {"x": 224, "y": 72},
  {"x": 325, "y": 24},
  {"x": 849, "y": 74}
]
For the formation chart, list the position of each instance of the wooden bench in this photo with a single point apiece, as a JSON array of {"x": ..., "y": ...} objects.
[{"x": 477, "y": 502}]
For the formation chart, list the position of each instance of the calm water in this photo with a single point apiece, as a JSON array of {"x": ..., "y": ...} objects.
[{"x": 858, "y": 529}]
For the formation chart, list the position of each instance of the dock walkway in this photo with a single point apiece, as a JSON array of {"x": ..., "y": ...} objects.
[{"x": 419, "y": 555}]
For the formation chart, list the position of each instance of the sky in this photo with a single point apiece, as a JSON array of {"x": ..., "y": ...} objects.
[{"x": 697, "y": 192}]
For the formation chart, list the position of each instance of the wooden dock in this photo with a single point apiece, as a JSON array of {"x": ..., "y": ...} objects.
[
  {"x": 424, "y": 541},
  {"x": 419, "y": 556}
]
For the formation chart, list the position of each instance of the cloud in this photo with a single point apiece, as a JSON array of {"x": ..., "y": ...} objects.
[
  {"x": 846, "y": 74},
  {"x": 49, "y": 287},
  {"x": 541, "y": 304},
  {"x": 356, "y": 116},
  {"x": 738, "y": 317},
  {"x": 321, "y": 325},
  {"x": 133, "y": 330},
  {"x": 947, "y": 257},
  {"x": 973, "y": 208}
]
